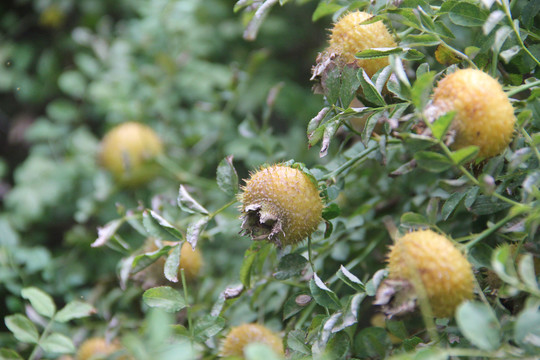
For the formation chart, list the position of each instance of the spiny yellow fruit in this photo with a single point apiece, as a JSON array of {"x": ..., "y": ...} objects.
[
  {"x": 126, "y": 151},
  {"x": 241, "y": 336},
  {"x": 484, "y": 116},
  {"x": 96, "y": 348},
  {"x": 190, "y": 260},
  {"x": 349, "y": 37},
  {"x": 430, "y": 258},
  {"x": 281, "y": 204}
]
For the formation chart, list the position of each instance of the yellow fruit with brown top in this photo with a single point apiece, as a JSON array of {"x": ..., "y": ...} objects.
[
  {"x": 431, "y": 261},
  {"x": 127, "y": 152},
  {"x": 191, "y": 261},
  {"x": 241, "y": 336},
  {"x": 484, "y": 116},
  {"x": 96, "y": 349},
  {"x": 281, "y": 204},
  {"x": 349, "y": 36}
]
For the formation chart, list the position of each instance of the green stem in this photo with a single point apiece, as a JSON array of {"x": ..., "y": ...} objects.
[
  {"x": 305, "y": 315},
  {"x": 484, "y": 234},
  {"x": 467, "y": 174},
  {"x": 232, "y": 202},
  {"x": 43, "y": 336},
  {"x": 517, "y": 89},
  {"x": 516, "y": 31},
  {"x": 310, "y": 258},
  {"x": 531, "y": 143},
  {"x": 188, "y": 307},
  {"x": 352, "y": 264},
  {"x": 349, "y": 163}
]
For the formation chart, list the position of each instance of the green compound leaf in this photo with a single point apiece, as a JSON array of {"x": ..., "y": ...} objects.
[
  {"x": 527, "y": 331},
  {"x": 432, "y": 161},
  {"x": 323, "y": 295},
  {"x": 165, "y": 298},
  {"x": 421, "y": 89},
  {"x": 74, "y": 310},
  {"x": 172, "y": 263},
  {"x": 450, "y": 204},
  {"x": 465, "y": 154},
  {"x": 227, "y": 178},
  {"x": 159, "y": 228},
  {"x": 331, "y": 211},
  {"x": 372, "y": 342},
  {"x": 40, "y": 301},
  {"x": 378, "y": 53},
  {"x": 467, "y": 14},
  {"x": 478, "y": 323},
  {"x": 22, "y": 328},
  {"x": 290, "y": 265},
  {"x": 370, "y": 91},
  {"x": 8, "y": 354},
  {"x": 442, "y": 124},
  {"x": 57, "y": 343}
]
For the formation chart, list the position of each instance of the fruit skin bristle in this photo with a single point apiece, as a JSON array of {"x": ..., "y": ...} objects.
[
  {"x": 281, "y": 204},
  {"x": 484, "y": 115},
  {"x": 348, "y": 37},
  {"x": 430, "y": 260},
  {"x": 241, "y": 336}
]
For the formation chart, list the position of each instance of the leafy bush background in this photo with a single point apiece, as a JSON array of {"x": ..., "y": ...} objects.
[{"x": 71, "y": 70}]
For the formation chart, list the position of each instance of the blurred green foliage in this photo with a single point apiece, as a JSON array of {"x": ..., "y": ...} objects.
[{"x": 71, "y": 237}]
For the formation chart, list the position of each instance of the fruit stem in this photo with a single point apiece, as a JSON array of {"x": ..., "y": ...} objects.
[
  {"x": 188, "y": 307},
  {"x": 531, "y": 143},
  {"x": 350, "y": 163},
  {"x": 506, "y": 7},
  {"x": 470, "y": 176},
  {"x": 232, "y": 202},
  {"x": 310, "y": 258},
  {"x": 517, "y": 89},
  {"x": 43, "y": 336},
  {"x": 352, "y": 264},
  {"x": 492, "y": 229}
]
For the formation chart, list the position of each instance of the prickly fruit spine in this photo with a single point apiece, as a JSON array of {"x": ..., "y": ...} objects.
[
  {"x": 281, "y": 204},
  {"x": 349, "y": 37},
  {"x": 430, "y": 260}
]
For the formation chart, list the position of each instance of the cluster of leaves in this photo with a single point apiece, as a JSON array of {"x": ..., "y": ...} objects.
[{"x": 223, "y": 107}]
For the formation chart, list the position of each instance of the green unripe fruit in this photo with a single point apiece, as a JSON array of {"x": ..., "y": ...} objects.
[
  {"x": 281, "y": 204},
  {"x": 126, "y": 151}
]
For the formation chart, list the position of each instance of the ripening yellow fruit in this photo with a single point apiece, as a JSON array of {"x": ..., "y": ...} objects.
[
  {"x": 96, "y": 348},
  {"x": 190, "y": 260},
  {"x": 241, "y": 336},
  {"x": 430, "y": 258},
  {"x": 281, "y": 204},
  {"x": 126, "y": 151},
  {"x": 349, "y": 37},
  {"x": 484, "y": 116}
]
